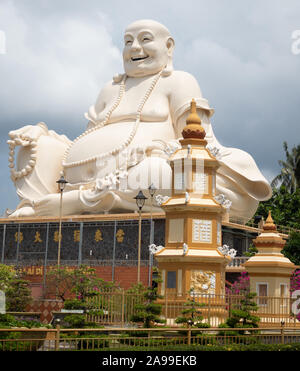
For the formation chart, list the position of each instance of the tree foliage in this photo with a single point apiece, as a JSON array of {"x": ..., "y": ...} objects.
[
  {"x": 242, "y": 314},
  {"x": 290, "y": 169},
  {"x": 292, "y": 248},
  {"x": 18, "y": 295},
  {"x": 284, "y": 206},
  {"x": 191, "y": 314},
  {"x": 16, "y": 289},
  {"x": 59, "y": 282},
  {"x": 285, "y": 209},
  {"x": 239, "y": 287},
  {"x": 7, "y": 273},
  {"x": 147, "y": 311},
  {"x": 81, "y": 283}
]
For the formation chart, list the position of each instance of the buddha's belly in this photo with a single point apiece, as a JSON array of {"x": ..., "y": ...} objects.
[{"x": 107, "y": 139}]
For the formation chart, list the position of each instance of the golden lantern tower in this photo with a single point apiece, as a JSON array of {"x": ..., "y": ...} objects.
[{"x": 193, "y": 231}]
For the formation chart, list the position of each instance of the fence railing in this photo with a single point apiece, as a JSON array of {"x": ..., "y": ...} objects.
[
  {"x": 118, "y": 306},
  {"x": 237, "y": 261},
  {"x": 154, "y": 338}
]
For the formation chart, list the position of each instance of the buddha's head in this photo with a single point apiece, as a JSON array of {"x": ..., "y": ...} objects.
[{"x": 148, "y": 49}]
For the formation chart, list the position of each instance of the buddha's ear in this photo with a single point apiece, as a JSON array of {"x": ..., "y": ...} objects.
[
  {"x": 169, "y": 67},
  {"x": 170, "y": 45},
  {"x": 118, "y": 78}
]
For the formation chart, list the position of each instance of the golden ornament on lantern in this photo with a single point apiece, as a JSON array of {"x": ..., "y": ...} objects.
[{"x": 193, "y": 128}]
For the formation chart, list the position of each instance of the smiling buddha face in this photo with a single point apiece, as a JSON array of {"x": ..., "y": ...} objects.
[{"x": 148, "y": 48}]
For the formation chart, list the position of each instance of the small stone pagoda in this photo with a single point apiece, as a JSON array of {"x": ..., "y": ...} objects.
[{"x": 269, "y": 269}]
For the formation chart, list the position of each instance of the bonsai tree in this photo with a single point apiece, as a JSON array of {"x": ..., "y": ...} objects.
[
  {"x": 7, "y": 274},
  {"x": 16, "y": 289},
  {"x": 242, "y": 314},
  {"x": 18, "y": 295},
  {"x": 78, "y": 287},
  {"x": 191, "y": 314},
  {"x": 75, "y": 287},
  {"x": 59, "y": 282},
  {"x": 148, "y": 311},
  {"x": 85, "y": 285}
]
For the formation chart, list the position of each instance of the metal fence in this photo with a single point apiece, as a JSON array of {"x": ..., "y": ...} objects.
[
  {"x": 155, "y": 338},
  {"x": 216, "y": 309},
  {"x": 118, "y": 306}
]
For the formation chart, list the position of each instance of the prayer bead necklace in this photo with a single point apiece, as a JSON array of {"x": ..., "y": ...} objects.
[{"x": 105, "y": 121}]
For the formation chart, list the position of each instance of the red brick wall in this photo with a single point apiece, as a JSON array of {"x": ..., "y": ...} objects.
[
  {"x": 127, "y": 276},
  {"x": 124, "y": 276}
]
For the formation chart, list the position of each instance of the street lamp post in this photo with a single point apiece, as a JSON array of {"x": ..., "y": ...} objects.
[
  {"x": 152, "y": 191},
  {"x": 61, "y": 186},
  {"x": 140, "y": 199}
]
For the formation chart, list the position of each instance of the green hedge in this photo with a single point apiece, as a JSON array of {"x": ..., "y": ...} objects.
[{"x": 218, "y": 348}]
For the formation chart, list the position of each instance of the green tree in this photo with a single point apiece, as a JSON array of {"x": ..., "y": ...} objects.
[
  {"x": 241, "y": 316},
  {"x": 285, "y": 207},
  {"x": 59, "y": 282},
  {"x": 192, "y": 314},
  {"x": 80, "y": 283},
  {"x": 147, "y": 311},
  {"x": 18, "y": 295},
  {"x": 86, "y": 284},
  {"x": 7, "y": 273},
  {"x": 292, "y": 248},
  {"x": 290, "y": 169},
  {"x": 16, "y": 289},
  {"x": 252, "y": 250}
]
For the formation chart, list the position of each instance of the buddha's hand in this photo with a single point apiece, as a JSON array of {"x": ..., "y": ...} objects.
[{"x": 28, "y": 134}]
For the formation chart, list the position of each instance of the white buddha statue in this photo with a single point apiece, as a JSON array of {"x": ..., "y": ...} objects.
[{"x": 137, "y": 118}]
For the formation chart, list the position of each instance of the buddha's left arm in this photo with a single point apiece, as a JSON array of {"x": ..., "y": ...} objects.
[{"x": 184, "y": 88}]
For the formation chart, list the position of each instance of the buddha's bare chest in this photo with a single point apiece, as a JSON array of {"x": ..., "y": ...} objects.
[{"x": 155, "y": 109}]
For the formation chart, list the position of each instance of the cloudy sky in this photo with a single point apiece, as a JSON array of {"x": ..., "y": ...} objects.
[{"x": 59, "y": 53}]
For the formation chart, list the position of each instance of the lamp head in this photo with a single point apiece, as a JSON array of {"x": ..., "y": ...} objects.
[
  {"x": 61, "y": 182},
  {"x": 152, "y": 189},
  {"x": 140, "y": 199}
]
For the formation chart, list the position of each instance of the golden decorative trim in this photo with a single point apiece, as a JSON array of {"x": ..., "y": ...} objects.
[
  {"x": 270, "y": 275},
  {"x": 268, "y": 264}
]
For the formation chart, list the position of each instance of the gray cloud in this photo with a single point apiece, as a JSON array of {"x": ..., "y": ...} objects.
[{"x": 60, "y": 53}]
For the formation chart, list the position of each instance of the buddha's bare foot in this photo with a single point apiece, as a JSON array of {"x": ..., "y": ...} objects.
[
  {"x": 23, "y": 211},
  {"x": 50, "y": 204}
]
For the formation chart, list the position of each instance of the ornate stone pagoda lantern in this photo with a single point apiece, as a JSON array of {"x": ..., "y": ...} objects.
[{"x": 193, "y": 257}]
